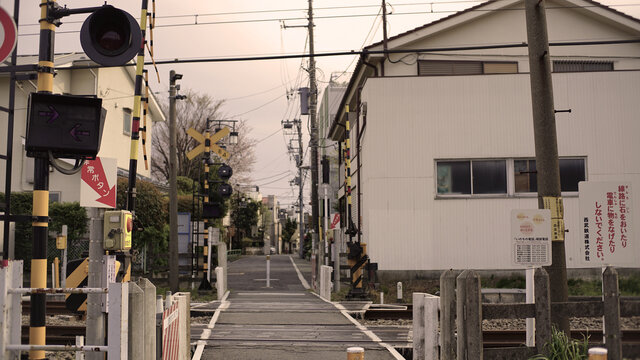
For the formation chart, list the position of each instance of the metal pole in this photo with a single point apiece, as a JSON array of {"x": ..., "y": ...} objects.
[
  {"x": 204, "y": 284},
  {"x": 313, "y": 96},
  {"x": 37, "y": 322},
  {"x": 546, "y": 145},
  {"x": 174, "y": 283},
  {"x": 9, "y": 153},
  {"x": 95, "y": 316}
]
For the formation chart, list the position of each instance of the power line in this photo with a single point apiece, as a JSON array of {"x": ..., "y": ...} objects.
[{"x": 342, "y": 17}]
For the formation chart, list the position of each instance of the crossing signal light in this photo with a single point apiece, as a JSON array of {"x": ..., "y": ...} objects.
[
  {"x": 110, "y": 36},
  {"x": 224, "y": 172}
]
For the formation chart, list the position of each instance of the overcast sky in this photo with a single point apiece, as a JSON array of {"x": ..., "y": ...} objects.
[{"x": 257, "y": 90}]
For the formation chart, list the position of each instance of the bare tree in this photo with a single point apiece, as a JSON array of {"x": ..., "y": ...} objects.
[{"x": 193, "y": 113}]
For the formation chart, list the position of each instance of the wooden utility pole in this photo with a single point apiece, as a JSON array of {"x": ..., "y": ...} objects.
[
  {"x": 546, "y": 146},
  {"x": 313, "y": 98}
]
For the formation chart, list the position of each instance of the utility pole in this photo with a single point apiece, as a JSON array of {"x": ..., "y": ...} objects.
[
  {"x": 313, "y": 98},
  {"x": 546, "y": 145},
  {"x": 174, "y": 269},
  {"x": 300, "y": 188}
]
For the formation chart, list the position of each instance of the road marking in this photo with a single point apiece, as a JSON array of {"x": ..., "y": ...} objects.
[
  {"x": 363, "y": 328},
  {"x": 269, "y": 294},
  {"x": 265, "y": 279},
  {"x": 304, "y": 282},
  {"x": 224, "y": 304}
]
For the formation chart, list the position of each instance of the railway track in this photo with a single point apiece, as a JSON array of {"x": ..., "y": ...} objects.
[{"x": 55, "y": 307}]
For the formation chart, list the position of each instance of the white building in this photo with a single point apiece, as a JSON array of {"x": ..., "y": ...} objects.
[
  {"x": 442, "y": 141},
  {"x": 114, "y": 85}
]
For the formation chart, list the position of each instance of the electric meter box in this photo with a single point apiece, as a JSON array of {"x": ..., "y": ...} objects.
[{"x": 118, "y": 226}]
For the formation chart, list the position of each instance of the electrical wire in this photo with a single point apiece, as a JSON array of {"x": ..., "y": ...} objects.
[{"x": 342, "y": 17}]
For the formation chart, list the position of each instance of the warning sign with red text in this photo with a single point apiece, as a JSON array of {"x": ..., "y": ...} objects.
[
  {"x": 531, "y": 237},
  {"x": 606, "y": 224},
  {"x": 99, "y": 183}
]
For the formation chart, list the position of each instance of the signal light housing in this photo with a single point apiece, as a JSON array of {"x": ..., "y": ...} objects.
[{"x": 110, "y": 36}]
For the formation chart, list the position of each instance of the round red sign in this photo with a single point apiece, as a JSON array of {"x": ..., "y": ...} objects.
[{"x": 8, "y": 34}]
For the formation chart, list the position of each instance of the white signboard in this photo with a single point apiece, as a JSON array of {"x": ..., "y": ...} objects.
[
  {"x": 98, "y": 183},
  {"x": 606, "y": 224},
  {"x": 531, "y": 237}
]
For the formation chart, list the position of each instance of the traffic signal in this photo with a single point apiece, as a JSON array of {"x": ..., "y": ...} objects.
[
  {"x": 110, "y": 36},
  {"x": 218, "y": 194}
]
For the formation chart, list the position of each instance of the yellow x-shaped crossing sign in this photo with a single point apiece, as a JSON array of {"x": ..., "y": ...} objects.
[{"x": 212, "y": 140}]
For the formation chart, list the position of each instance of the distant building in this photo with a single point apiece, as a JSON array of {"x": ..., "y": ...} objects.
[{"x": 442, "y": 145}]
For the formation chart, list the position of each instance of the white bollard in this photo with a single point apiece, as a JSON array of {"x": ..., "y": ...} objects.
[
  {"x": 221, "y": 286},
  {"x": 268, "y": 270},
  {"x": 79, "y": 342},
  {"x": 381, "y": 297},
  {"x": 399, "y": 291},
  {"x": 325, "y": 282},
  {"x": 598, "y": 353}
]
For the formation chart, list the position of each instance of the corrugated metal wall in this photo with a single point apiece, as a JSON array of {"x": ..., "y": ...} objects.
[{"x": 414, "y": 120}]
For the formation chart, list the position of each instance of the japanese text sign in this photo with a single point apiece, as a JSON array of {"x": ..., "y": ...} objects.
[
  {"x": 98, "y": 185},
  {"x": 606, "y": 219},
  {"x": 531, "y": 237}
]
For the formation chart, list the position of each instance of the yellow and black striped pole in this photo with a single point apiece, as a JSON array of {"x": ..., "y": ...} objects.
[
  {"x": 135, "y": 123},
  {"x": 135, "y": 132},
  {"x": 205, "y": 285},
  {"x": 37, "y": 320},
  {"x": 145, "y": 109}
]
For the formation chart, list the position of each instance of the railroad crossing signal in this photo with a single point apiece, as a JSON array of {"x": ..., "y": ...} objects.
[
  {"x": 202, "y": 139},
  {"x": 66, "y": 125}
]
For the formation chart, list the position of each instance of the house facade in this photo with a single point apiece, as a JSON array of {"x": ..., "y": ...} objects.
[
  {"x": 442, "y": 145},
  {"x": 115, "y": 86}
]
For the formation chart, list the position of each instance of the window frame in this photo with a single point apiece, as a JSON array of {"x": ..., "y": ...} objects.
[
  {"x": 567, "y": 193},
  {"x": 510, "y": 181},
  {"x": 127, "y": 130},
  {"x": 472, "y": 194}
]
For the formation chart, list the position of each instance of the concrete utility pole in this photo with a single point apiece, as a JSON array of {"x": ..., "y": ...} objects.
[
  {"x": 546, "y": 144},
  {"x": 300, "y": 193},
  {"x": 174, "y": 268},
  {"x": 313, "y": 98}
]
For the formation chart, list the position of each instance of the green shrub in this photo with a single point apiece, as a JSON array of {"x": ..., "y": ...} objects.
[
  {"x": 560, "y": 347},
  {"x": 151, "y": 213}
]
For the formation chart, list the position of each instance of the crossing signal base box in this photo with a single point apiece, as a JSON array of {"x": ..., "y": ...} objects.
[{"x": 118, "y": 226}]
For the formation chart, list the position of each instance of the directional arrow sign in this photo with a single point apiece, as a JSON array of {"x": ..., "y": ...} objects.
[
  {"x": 201, "y": 147},
  {"x": 66, "y": 125},
  {"x": 98, "y": 184}
]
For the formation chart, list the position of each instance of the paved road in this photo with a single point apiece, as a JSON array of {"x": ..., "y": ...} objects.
[{"x": 284, "y": 321}]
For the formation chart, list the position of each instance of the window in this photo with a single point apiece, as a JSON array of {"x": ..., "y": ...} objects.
[
  {"x": 581, "y": 66},
  {"x": 508, "y": 177},
  {"x": 471, "y": 177},
  {"x": 126, "y": 123},
  {"x": 54, "y": 197},
  {"x": 447, "y": 67},
  {"x": 572, "y": 171}
]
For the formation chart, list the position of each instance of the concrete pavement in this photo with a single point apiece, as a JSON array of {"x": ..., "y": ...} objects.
[{"x": 283, "y": 321}]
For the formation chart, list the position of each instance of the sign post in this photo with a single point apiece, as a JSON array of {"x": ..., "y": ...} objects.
[{"x": 530, "y": 247}]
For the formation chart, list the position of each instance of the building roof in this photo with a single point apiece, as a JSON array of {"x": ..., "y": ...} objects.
[
  {"x": 405, "y": 38},
  {"x": 80, "y": 59}
]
